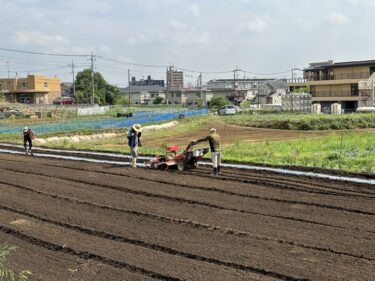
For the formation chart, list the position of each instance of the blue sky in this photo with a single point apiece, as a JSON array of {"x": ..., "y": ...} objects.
[{"x": 259, "y": 36}]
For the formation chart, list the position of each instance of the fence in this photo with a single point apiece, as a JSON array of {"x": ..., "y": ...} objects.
[
  {"x": 138, "y": 117},
  {"x": 92, "y": 110}
]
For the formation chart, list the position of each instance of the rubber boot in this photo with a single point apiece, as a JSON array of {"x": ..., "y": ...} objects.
[
  {"x": 214, "y": 172},
  {"x": 218, "y": 169},
  {"x": 134, "y": 162}
]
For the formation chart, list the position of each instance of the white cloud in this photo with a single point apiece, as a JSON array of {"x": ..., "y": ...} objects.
[
  {"x": 194, "y": 9},
  {"x": 254, "y": 25},
  {"x": 337, "y": 18},
  {"x": 178, "y": 26},
  {"x": 38, "y": 38},
  {"x": 203, "y": 38}
]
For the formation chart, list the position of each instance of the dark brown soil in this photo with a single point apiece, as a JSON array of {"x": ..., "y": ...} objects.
[{"x": 81, "y": 221}]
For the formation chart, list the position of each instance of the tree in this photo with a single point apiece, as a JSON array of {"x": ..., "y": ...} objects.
[
  {"x": 122, "y": 100},
  {"x": 218, "y": 102},
  {"x": 158, "y": 100},
  {"x": 104, "y": 92},
  {"x": 302, "y": 90},
  {"x": 2, "y": 96}
]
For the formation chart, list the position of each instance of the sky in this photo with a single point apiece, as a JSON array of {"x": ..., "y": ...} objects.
[{"x": 263, "y": 38}]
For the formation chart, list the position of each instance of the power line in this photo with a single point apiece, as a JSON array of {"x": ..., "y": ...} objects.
[
  {"x": 143, "y": 65},
  {"x": 42, "y": 54}
]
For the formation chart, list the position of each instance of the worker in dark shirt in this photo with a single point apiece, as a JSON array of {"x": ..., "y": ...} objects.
[
  {"x": 28, "y": 137},
  {"x": 214, "y": 141}
]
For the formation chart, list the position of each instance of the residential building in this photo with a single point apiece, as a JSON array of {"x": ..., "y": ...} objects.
[
  {"x": 32, "y": 89},
  {"x": 175, "y": 79},
  {"x": 147, "y": 82},
  {"x": 191, "y": 96},
  {"x": 236, "y": 89},
  {"x": 271, "y": 91},
  {"x": 143, "y": 94},
  {"x": 367, "y": 88},
  {"x": 331, "y": 83}
]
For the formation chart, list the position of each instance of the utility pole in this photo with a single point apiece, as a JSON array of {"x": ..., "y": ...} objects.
[
  {"x": 92, "y": 79},
  {"x": 166, "y": 96},
  {"x": 201, "y": 86},
  {"x": 129, "y": 85},
  {"x": 292, "y": 75},
  {"x": 8, "y": 69},
  {"x": 74, "y": 84}
]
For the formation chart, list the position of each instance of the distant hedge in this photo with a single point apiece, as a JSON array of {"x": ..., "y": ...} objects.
[{"x": 305, "y": 121}]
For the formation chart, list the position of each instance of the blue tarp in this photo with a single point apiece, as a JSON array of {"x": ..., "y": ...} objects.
[{"x": 138, "y": 117}]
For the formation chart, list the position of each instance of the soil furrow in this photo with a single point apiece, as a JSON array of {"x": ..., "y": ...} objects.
[
  {"x": 226, "y": 231},
  {"x": 84, "y": 254},
  {"x": 161, "y": 248},
  {"x": 178, "y": 199},
  {"x": 287, "y": 184}
]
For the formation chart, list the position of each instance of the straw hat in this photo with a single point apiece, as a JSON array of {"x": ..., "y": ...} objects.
[
  {"x": 137, "y": 128},
  {"x": 213, "y": 130},
  {"x": 25, "y": 129}
]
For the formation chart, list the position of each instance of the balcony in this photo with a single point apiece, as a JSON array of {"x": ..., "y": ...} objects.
[
  {"x": 339, "y": 76},
  {"x": 325, "y": 94}
]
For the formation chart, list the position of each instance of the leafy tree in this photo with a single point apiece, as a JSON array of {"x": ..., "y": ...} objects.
[
  {"x": 122, "y": 100},
  {"x": 302, "y": 90},
  {"x": 245, "y": 104},
  {"x": 217, "y": 102},
  {"x": 158, "y": 100},
  {"x": 104, "y": 92}
]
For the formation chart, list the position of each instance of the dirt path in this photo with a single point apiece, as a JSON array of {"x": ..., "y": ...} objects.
[
  {"x": 232, "y": 133},
  {"x": 104, "y": 222}
]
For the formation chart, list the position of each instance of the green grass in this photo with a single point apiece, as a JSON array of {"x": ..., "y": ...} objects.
[
  {"x": 304, "y": 121},
  {"x": 349, "y": 151}
]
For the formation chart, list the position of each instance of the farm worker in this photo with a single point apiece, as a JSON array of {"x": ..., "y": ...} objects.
[
  {"x": 134, "y": 142},
  {"x": 28, "y": 137},
  {"x": 214, "y": 141}
]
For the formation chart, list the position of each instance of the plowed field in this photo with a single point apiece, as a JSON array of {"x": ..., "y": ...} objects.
[{"x": 81, "y": 221}]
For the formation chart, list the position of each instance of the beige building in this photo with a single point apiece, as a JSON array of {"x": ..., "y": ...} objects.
[
  {"x": 32, "y": 89},
  {"x": 175, "y": 79},
  {"x": 331, "y": 82}
]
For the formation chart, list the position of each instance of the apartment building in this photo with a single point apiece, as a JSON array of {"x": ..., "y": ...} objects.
[
  {"x": 146, "y": 82},
  {"x": 175, "y": 79},
  {"x": 31, "y": 89},
  {"x": 331, "y": 82}
]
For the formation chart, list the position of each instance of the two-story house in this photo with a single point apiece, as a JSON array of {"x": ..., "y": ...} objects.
[
  {"x": 331, "y": 82},
  {"x": 32, "y": 89}
]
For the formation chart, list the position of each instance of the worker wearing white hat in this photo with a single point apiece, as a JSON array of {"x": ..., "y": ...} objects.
[
  {"x": 28, "y": 137},
  {"x": 134, "y": 142},
  {"x": 214, "y": 141}
]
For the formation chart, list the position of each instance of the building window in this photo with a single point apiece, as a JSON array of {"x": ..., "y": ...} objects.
[
  {"x": 45, "y": 84},
  {"x": 354, "y": 90},
  {"x": 24, "y": 85}
]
